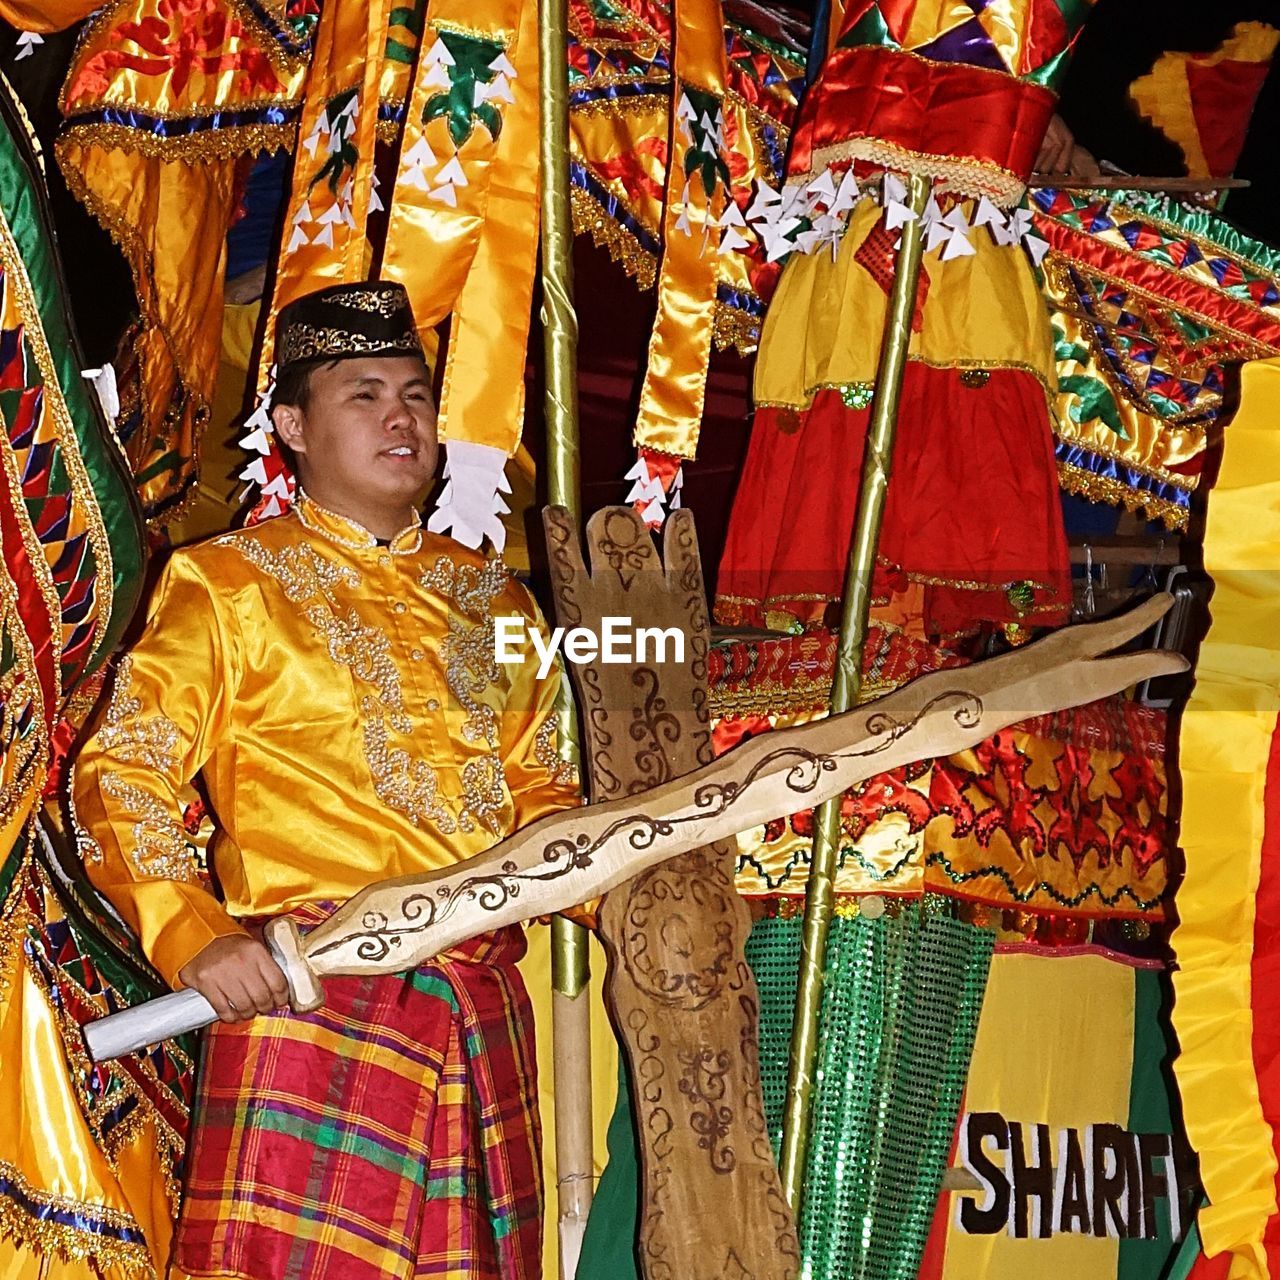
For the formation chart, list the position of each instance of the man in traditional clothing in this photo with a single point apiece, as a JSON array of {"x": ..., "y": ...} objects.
[{"x": 330, "y": 674}]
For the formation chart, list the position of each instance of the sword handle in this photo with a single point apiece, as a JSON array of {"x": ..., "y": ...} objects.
[
  {"x": 144, "y": 1024},
  {"x": 174, "y": 1015}
]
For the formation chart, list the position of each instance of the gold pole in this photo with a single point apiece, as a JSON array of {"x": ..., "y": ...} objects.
[
  {"x": 570, "y": 967},
  {"x": 846, "y": 686}
]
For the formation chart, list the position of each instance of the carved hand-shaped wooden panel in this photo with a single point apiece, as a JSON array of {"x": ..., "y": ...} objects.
[{"x": 682, "y": 995}]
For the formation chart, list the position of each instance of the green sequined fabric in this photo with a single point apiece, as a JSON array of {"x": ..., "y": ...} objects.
[{"x": 900, "y": 1011}]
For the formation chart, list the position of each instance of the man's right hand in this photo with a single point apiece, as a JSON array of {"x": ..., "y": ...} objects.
[{"x": 237, "y": 975}]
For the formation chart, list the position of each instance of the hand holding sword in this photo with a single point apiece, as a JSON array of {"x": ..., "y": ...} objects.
[{"x": 569, "y": 857}]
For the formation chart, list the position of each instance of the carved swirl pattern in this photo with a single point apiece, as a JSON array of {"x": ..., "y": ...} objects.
[
  {"x": 566, "y": 854},
  {"x": 654, "y": 730},
  {"x": 679, "y": 947}
]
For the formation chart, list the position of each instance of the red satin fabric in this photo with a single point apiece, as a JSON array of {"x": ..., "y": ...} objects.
[
  {"x": 972, "y": 499},
  {"x": 939, "y": 109}
]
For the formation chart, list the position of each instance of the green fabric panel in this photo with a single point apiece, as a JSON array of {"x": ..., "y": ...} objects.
[
  {"x": 903, "y": 996},
  {"x": 773, "y": 952},
  {"x": 1150, "y": 1112},
  {"x": 609, "y": 1245},
  {"x": 1187, "y": 1256}
]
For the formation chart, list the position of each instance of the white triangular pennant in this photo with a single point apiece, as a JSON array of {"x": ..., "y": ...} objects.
[
  {"x": 895, "y": 190},
  {"x": 436, "y": 76},
  {"x": 439, "y": 54},
  {"x": 420, "y": 154},
  {"x": 986, "y": 214},
  {"x": 257, "y": 441},
  {"x": 503, "y": 66},
  {"x": 499, "y": 91},
  {"x": 255, "y": 472},
  {"x": 823, "y": 187},
  {"x": 958, "y": 246},
  {"x": 655, "y": 513},
  {"x": 847, "y": 194},
  {"x": 1036, "y": 247},
  {"x": 453, "y": 174}
]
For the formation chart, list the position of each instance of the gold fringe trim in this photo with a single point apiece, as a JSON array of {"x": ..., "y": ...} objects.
[
  {"x": 639, "y": 105},
  {"x": 771, "y": 699},
  {"x": 735, "y": 329},
  {"x": 973, "y": 178},
  {"x": 1085, "y": 484},
  {"x": 74, "y": 1244},
  {"x": 732, "y": 328},
  {"x": 1188, "y": 484},
  {"x": 229, "y": 143},
  {"x": 590, "y": 217}
]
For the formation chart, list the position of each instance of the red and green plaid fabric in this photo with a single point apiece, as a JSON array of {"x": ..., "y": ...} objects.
[{"x": 392, "y": 1134}]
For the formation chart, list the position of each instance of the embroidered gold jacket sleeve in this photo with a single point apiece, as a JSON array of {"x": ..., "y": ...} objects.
[{"x": 344, "y": 708}]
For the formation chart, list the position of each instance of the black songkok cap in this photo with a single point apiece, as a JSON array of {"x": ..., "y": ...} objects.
[{"x": 347, "y": 320}]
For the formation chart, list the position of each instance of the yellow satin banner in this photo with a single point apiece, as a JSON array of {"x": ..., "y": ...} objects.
[
  {"x": 463, "y": 226},
  {"x": 477, "y": 66},
  {"x": 170, "y": 221},
  {"x": 482, "y": 395},
  {"x": 671, "y": 400},
  {"x": 1226, "y": 743},
  {"x": 324, "y": 240}
]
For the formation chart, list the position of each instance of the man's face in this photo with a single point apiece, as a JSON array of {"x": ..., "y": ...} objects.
[{"x": 368, "y": 434}]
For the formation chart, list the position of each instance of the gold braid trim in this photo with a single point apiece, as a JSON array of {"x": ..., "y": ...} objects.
[
  {"x": 229, "y": 143},
  {"x": 589, "y": 216},
  {"x": 43, "y": 573},
  {"x": 1104, "y": 489},
  {"x": 736, "y": 329},
  {"x": 974, "y": 178},
  {"x": 640, "y": 105},
  {"x": 960, "y": 365},
  {"x": 732, "y": 328},
  {"x": 74, "y": 1244}
]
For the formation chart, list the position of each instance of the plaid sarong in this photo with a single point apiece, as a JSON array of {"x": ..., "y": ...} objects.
[{"x": 390, "y": 1135}]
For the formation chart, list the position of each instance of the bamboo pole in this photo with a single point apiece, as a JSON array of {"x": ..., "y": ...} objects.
[
  {"x": 845, "y": 688},
  {"x": 1123, "y": 182},
  {"x": 570, "y": 967}
]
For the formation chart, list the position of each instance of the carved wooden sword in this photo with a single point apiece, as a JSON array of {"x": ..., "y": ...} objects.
[{"x": 570, "y": 857}]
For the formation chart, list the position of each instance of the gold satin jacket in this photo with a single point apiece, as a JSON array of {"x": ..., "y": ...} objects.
[{"x": 341, "y": 701}]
